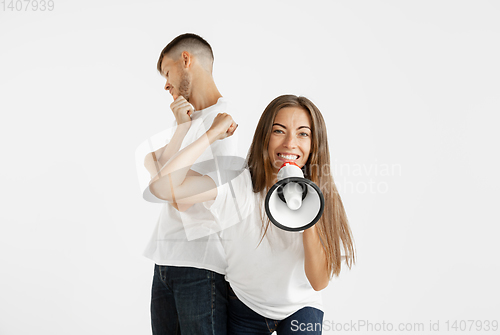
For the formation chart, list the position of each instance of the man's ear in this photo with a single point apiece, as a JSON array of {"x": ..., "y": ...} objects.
[{"x": 187, "y": 59}]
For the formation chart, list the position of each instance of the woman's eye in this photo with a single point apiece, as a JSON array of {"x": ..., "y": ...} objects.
[
  {"x": 278, "y": 131},
  {"x": 304, "y": 134}
]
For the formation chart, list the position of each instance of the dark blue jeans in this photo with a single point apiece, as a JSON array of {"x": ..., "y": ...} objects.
[
  {"x": 188, "y": 301},
  {"x": 244, "y": 321}
]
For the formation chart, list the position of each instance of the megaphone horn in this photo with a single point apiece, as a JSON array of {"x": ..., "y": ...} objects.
[{"x": 294, "y": 203}]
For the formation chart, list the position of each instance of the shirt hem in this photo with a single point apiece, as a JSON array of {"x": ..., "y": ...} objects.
[
  {"x": 277, "y": 315},
  {"x": 188, "y": 265}
]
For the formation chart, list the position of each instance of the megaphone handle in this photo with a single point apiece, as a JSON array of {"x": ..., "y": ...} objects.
[{"x": 282, "y": 197}]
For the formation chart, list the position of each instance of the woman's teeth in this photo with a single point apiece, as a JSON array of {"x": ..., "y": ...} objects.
[{"x": 288, "y": 156}]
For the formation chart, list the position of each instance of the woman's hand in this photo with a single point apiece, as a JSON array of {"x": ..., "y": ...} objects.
[
  {"x": 182, "y": 110},
  {"x": 222, "y": 127},
  {"x": 315, "y": 264}
]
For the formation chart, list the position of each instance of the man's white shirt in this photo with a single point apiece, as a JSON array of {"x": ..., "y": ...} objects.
[{"x": 191, "y": 238}]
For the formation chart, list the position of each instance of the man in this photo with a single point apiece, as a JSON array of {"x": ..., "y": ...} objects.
[{"x": 189, "y": 293}]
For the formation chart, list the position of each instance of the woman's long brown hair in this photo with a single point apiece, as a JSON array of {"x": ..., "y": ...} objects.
[{"x": 333, "y": 227}]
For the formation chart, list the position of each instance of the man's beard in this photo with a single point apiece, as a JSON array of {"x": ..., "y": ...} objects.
[{"x": 185, "y": 85}]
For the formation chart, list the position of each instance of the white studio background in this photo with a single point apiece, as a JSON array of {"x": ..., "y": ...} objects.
[{"x": 410, "y": 94}]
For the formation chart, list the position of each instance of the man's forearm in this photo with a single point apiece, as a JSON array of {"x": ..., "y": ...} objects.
[
  {"x": 168, "y": 182},
  {"x": 175, "y": 169},
  {"x": 175, "y": 143},
  {"x": 154, "y": 161}
]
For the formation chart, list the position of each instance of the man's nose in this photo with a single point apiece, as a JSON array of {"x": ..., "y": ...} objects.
[{"x": 167, "y": 86}]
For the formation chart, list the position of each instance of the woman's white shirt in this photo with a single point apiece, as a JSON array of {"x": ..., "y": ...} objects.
[{"x": 268, "y": 276}]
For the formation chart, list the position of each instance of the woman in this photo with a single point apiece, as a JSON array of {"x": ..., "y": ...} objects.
[{"x": 274, "y": 275}]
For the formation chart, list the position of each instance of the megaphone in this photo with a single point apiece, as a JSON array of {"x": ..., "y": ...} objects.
[{"x": 294, "y": 203}]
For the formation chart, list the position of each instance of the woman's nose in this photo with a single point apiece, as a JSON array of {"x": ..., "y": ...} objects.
[{"x": 290, "y": 141}]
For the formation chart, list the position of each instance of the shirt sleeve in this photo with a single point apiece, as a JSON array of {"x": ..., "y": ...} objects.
[{"x": 235, "y": 199}]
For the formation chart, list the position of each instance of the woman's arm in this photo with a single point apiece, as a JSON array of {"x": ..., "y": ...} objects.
[
  {"x": 172, "y": 183},
  {"x": 315, "y": 259}
]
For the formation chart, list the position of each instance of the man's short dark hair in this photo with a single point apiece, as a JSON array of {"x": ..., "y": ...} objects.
[{"x": 192, "y": 43}]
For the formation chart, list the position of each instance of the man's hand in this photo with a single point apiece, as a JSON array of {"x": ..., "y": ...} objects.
[
  {"x": 223, "y": 126},
  {"x": 182, "y": 110}
]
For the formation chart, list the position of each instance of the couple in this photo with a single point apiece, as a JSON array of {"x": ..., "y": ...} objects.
[{"x": 273, "y": 276}]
